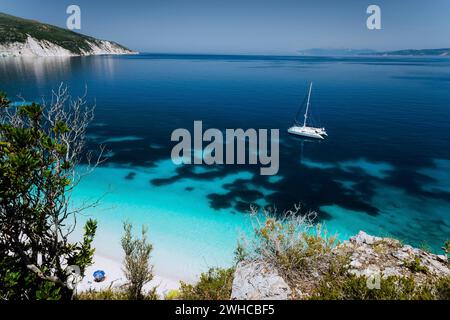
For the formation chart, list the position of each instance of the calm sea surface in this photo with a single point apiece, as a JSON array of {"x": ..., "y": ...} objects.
[{"x": 385, "y": 167}]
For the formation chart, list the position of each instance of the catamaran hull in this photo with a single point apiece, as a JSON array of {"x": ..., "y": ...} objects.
[{"x": 302, "y": 133}]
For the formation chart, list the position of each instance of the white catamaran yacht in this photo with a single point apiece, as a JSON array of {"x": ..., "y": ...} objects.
[{"x": 303, "y": 129}]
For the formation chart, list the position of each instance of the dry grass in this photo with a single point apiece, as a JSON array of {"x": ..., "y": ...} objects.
[{"x": 292, "y": 243}]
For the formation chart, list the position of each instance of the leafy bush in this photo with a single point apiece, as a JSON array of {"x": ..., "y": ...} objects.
[
  {"x": 39, "y": 150},
  {"x": 213, "y": 285}
]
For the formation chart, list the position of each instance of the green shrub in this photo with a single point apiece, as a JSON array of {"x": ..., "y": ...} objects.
[
  {"x": 355, "y": 288},
  {"x": 392, "y": 288},
  {"x": 106, "y": 294},
  {"x": 172, "y": 295},
  {"x": 213, "y": 285},
  {"x": 416, "y": 266},
  {"x": 240, "y": 254},
  {"x": 137, "y": 267},
  {"x": 112, "y": 294},
  {"x": 446, "y": 247},
  {"x": 441, "y": 288}
]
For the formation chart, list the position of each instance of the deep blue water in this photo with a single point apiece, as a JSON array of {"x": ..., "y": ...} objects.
[{"x": 385, "y": 167}]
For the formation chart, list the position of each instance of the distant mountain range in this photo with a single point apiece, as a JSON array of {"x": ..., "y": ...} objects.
[
  {"x": 335, "y": 52},
  {"x": 357, "y": 52},
  {"x": 417, "y": 52},
  {"x": 22, "y": 37}
]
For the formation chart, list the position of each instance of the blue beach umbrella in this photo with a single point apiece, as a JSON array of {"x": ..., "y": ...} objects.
[{"x": 99, "y": 275}]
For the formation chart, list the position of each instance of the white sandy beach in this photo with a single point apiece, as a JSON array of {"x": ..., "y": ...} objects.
[{"x": 116, "y": 278}]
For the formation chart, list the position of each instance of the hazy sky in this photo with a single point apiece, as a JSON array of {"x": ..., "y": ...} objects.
[{"x": 249, "y": 26}]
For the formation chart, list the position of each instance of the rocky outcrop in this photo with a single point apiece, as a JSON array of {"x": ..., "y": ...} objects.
[
  {"x": 44, "y": 48},
  {"x": 364, "y": 255},
  {"x": 257, "y": 280},
  {"x": 369, "y": 255}
]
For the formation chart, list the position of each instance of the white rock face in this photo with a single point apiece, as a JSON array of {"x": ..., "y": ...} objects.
[
  {"x": 258, "y": 281},
  {"x": 105, "y": 47},
  {"x": 43, "y": 48},
  {"x": 363, "y": 237}
]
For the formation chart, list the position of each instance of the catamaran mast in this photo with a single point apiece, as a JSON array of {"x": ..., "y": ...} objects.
[{"x": 307, "y": 104}]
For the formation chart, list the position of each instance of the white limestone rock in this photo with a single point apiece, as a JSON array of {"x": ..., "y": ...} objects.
[
  {"x": 43, "y": 48},
  {"x": 363, "y": 237},
  {"x": 257, "y": 280}
]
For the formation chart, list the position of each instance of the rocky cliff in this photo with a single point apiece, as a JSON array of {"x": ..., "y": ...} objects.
[
  {"x": 44, "y": 48},
  {"x": 366, "y": 257},
  {"x": 22, "y": 37}
]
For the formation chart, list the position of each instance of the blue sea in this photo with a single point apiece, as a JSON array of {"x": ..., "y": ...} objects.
[{"x": 384, "y": 169}]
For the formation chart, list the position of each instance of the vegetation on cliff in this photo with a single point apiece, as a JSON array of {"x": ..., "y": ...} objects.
[
  {"x": 15, "y": 29},
  {"x": 316, "y": 266}
]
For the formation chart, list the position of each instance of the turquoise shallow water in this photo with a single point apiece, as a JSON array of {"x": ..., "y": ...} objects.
[
  {"x": 384, "y": 167},
  {"x": 188, "y": 235}
]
